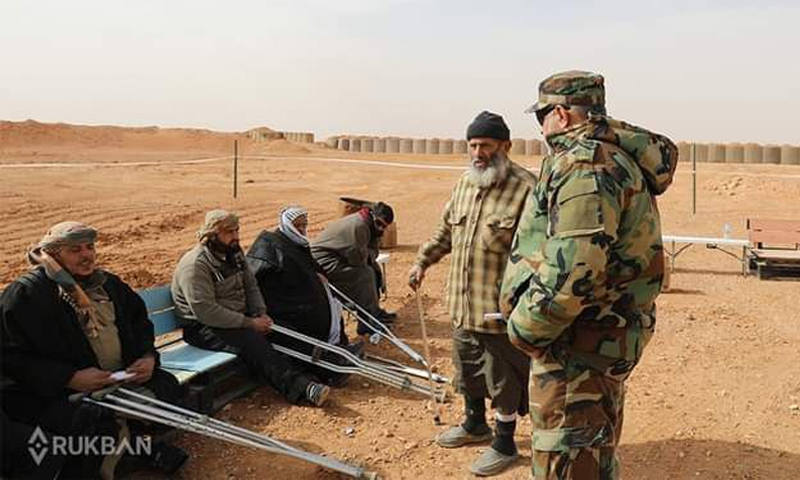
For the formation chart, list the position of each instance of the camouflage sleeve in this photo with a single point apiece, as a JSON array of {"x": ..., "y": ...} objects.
[
  {"x": 571, "y": 263},
  {"x": 439, "y": 244}
]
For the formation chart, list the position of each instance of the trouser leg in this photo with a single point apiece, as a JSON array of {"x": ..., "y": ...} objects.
[
  {"x": 488, "y": 366},
  {"x": 257, "y": 353},
  {"x": 72, "y": 421},
  {"x": 574, "y": 437}
]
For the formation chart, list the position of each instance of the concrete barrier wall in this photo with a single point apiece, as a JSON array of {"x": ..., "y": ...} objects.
[
  {"x": 528, "y": 147},
  {"x": 790, "y": 155},
  {"x": 518, "y": 146},
  {"x": 701, "y": 150},
  {"x": 366, "y": 144},
  {"x": 711, "y": 152},
  {"x": 734, "y": 153},
  {"x": 753, "y": 153},
  {"x": 392, "y": 145},
  {"x": 446, "y": 146},
  {"x": 716, "y": 153},
  {"x": 684, "y": 152},
  {"x": 772, "y": 154},
  {"x": 300, "y": 137}
]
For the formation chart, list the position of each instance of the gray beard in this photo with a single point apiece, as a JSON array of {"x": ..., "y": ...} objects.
[{"x": 496, "y": 171}]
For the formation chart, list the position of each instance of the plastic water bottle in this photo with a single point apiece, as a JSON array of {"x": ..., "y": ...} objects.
[{"x": 726, "y": 230}]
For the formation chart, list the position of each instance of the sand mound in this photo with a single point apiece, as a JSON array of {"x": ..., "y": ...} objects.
[
  {"x": 23, "y": 135},
  {"x": 279, "y": 146}
]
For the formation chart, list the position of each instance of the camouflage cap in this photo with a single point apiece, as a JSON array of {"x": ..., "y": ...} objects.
[{"x": 571, "y": 88}]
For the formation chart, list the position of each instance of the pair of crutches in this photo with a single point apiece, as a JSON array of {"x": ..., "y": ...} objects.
[
  {"x": 395, "y": 375},
  {"x": 382, "y": 331},
  {"x": 126, "y": 402}
]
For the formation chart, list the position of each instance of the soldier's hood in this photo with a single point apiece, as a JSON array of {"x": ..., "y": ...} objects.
[{"x": 655, "y": 154}]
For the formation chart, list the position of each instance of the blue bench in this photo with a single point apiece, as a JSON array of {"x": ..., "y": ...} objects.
[{"x": 212, "y": 378}]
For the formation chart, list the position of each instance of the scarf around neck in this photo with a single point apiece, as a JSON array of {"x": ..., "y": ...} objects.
[
  {"x": 289, "y": 215},
  {"x": 71, "y": 291}
]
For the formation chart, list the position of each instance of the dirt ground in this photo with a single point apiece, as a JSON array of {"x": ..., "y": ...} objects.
[{"x": 717, "y": 394}]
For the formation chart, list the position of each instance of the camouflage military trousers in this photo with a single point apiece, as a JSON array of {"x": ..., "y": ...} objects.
[{"x": 577, "y": 420}]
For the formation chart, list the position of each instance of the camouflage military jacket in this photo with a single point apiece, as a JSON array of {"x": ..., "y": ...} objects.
[{"x": 587, "y": 261}]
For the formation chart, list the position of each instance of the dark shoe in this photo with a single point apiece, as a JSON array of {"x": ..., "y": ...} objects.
[
  {"x": 317, "y": 393},
  {"x": 356, "y": 348},
  {"x": 337, "y": 380},
  {"x": 167, "y": 458},
  {"x": 491, "y": 462},
  {"x": 455, "y": 437},
  {"x": 365, "y": 330},
  {"x": 386, "y": 317}
]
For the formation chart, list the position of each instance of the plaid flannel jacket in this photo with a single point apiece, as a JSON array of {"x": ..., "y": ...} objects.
[{"x": 477, "y": 227}]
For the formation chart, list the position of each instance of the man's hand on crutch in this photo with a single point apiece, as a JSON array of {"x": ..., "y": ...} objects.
[{"x": 415, "y": 277}]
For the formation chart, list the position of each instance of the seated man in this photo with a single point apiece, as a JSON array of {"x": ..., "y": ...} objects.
[
  {"x": 217, "y": 298},
  {"x": 67, "y": 326},
  {"x": 294, "y": 288},
  {"x": 347, "y": 249}
]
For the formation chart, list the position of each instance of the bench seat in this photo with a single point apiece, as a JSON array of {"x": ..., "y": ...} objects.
[
  {"x": 213, "y": 378},
  {"x": 182, "y": 356}
]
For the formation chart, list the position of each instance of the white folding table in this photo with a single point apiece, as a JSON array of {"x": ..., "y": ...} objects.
[{"x": 709, "y": 242}]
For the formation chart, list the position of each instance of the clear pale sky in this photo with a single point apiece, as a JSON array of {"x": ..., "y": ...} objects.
[{"x": 696, "y": 70}]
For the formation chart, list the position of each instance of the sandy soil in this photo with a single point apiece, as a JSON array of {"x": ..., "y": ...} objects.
[{"x": 716, "y": 395}]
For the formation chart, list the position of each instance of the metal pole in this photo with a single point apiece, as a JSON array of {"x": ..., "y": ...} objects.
[
  {"x": 235, "y": 167},
  {"x": 437, "y": 418},
  {"x": 694, "y": 179}
]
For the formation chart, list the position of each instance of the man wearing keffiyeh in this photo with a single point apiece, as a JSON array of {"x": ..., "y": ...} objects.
[
  {"x": 217, "y": 298},
  {"x": 295, "y": 289},
  {"x": 67, "y": 326}
]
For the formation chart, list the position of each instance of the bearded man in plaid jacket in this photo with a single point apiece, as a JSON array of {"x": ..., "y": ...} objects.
[{"x": 476, "y": 228}]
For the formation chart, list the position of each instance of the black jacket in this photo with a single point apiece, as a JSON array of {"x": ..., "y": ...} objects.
[
  {"x": 43, "y": 344},
  {"x": 287, "y": 277}
]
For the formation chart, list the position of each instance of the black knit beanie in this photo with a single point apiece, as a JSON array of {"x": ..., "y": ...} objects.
[{"x": 488, "y": 124}]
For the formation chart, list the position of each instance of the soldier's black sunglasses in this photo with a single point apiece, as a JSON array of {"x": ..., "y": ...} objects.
[{"x": 543, "y": 113}]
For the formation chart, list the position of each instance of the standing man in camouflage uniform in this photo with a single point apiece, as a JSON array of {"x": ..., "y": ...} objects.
[
  {"x": 587, "y": 264},
  {"x": 477, "y": 226}
]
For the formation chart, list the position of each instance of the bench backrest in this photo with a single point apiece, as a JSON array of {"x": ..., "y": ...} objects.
[
  {"x": 773, "y": 232},
  {"x": 160, "y": 309}
]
